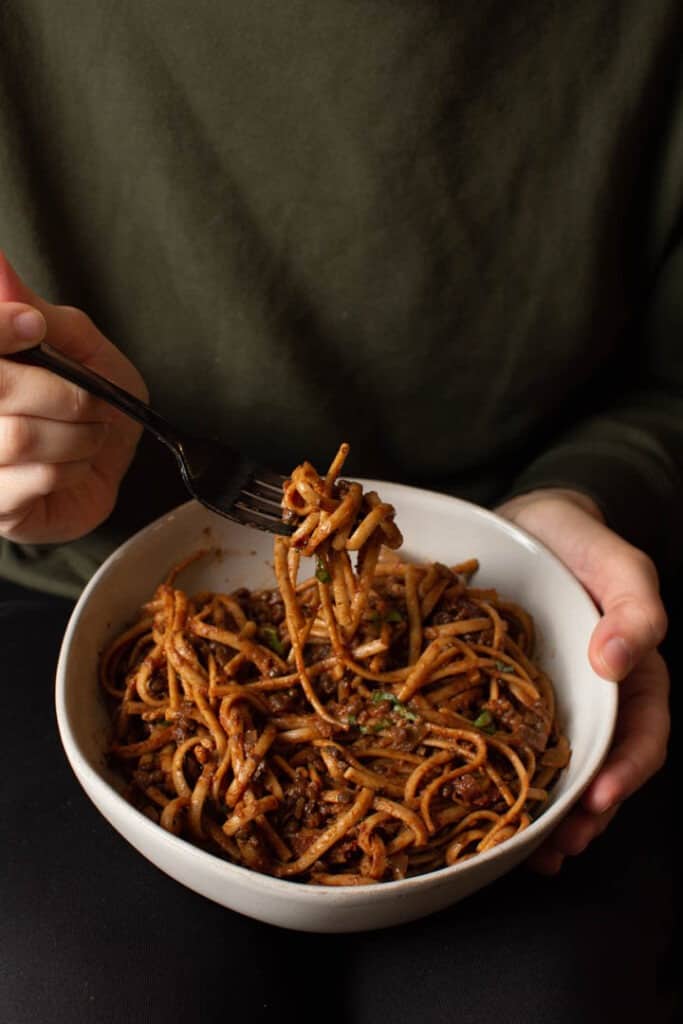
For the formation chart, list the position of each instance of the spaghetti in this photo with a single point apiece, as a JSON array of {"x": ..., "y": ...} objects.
[{"x": 367, "y": 723}]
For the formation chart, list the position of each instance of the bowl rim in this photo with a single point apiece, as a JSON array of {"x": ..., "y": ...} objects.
[{"x": 101, "y": 792}]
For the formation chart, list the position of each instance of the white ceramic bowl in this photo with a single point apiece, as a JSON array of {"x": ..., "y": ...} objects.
[{"x": 435, "y": 527}]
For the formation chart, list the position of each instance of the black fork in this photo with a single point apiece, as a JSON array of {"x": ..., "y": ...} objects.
[{"x": 216, "y": 475}]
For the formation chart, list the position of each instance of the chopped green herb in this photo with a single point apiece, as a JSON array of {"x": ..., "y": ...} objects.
[
  {"x": 397, "y": 706},
  {"x": 384, "y": 723},
  {"x": 485, "y": 722},
  {"x": 404, "y": 712},
  {"x": 503, "y": 666},
  {"x": 321, "y": 572},
  {"x": 351, "y": 720},
  {"x": 373, "y": 616},
  {"x": 393, "y": 616},
  {"x": 271, "y": 638}
]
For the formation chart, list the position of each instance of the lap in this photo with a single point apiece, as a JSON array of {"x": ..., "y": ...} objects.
[{"x": 90, "y": 931}]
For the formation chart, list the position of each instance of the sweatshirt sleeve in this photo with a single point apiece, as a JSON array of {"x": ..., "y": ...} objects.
[{"x": 628, "y": 455}]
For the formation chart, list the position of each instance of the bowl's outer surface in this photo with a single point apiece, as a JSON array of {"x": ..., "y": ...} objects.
[{"x": 435, "y": 527}]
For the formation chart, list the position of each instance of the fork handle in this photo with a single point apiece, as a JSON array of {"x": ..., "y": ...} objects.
[{"x": 50, "y": 359}]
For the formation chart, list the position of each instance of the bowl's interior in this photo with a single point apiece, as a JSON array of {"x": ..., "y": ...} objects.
[{"x": 435, "y": 527}]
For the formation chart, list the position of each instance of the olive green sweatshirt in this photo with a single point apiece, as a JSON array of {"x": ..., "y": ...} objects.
[{"x": 448, "y": 233}]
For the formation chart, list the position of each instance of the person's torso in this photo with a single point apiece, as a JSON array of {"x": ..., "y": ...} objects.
[{"x": 415, "y": 227}]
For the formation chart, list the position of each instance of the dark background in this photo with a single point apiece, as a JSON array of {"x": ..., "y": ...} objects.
[{"x": 91, "y": 932}]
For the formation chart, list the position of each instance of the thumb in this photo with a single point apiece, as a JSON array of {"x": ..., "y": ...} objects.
[
  {"x": 73, "y": 332},
  {"x": 68, "y": 329},
  {"x": 634, "y": 620},
  {"x": 621, "y": 579}
]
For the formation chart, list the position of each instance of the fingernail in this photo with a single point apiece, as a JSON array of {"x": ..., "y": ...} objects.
[
  {"x": 602, "y": 804},
  {"x": 601, "y": 796},
  {"x": 616, "y": 657},
  {"x": 29, "y": 326}
]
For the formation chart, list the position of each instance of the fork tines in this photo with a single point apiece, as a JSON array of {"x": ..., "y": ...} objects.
[
  {"x": 259, "y": 501},
  {"x": 267, "y": 478}
]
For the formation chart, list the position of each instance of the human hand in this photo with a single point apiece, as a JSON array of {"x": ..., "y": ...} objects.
[
  {"x": 623, "y": 583},
  {"x": 63, "y": 453}
]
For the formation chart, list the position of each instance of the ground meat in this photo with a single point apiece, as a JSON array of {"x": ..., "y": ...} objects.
[
  {"x": 471, "y": 790},
  {"x": 266, "y": 608},
  {"x": 325, "y": 729},
  {"x": 454, "y": 611},
  {"x": 301, "y": 802},
  {"x": 504, "y": 713},
  {"x": 318, "y": 652},
  {"x": 401, "y": 735},
  {"x": 442, "y": 617},
  {"x": 466, "y": 699},
  {"x": 530, "y": 726},
  {"x": 343, "y": 851},
  {"x": 284, "y": 700},
  {"x": 157, "y": 685},
  {"x": 250, "y": 739},
  {"x": 253, "y": 851},
  {"x": 183, "y": 728},
  {"x": 300, "y": 840},
  {"x": 326, "y": 684},
  {"x": 349, "y": 708},
  {"x": 151, "y": 778}
]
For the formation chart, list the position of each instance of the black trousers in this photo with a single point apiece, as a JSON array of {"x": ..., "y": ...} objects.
[{"x": 90, "y": 932}]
